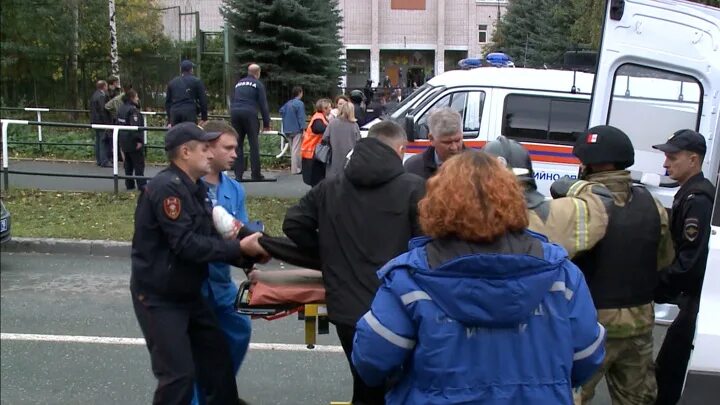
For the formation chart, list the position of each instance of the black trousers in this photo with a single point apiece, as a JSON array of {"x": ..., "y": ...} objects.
[
  {"x": 101, "y": 148},
  {"x": 313, "y": 171},
  {"x": 134, "y": 166},
  {"x": 362, "y": 393},
  {"x": 246, "y": 124},
  {"x": 183, "y": 114},
  {"x": 185, "y": 345},
  {"x": 672, "y": 360}
]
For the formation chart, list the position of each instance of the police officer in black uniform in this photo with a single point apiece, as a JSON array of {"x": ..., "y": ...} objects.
[
  {"x": 186, "y": 97},
  {"x": 681, "y": 282},
  {"x": 173, "y": 243},
  {"x": 249, "y": 97},
  {"x": 131, "y": 142}
]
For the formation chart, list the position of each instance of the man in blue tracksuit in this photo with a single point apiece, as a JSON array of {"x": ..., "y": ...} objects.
[
  {"x": 249, "y": 97},
  {"x": 293, "y": 125},
  {"x": 479, "y": 328},
  {"x": 219, "y": 289}
]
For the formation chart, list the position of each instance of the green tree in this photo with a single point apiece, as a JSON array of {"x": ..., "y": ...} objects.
[
  {"x": 296, "y": 42},
  {"x": 41, "y": 42},
  {"x": 535, "y": 32}
]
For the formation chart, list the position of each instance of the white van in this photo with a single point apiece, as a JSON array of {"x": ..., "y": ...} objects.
[{"x": 546, "y": 109}]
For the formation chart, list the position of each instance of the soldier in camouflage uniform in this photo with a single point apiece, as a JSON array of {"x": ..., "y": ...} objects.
[
  {"x": 577, "y": 220},
  {"x": 622, "y": 269}
]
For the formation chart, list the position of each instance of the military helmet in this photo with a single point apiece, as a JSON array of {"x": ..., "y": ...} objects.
[
  {"x": 357, "y": 96},
  {"x": 605, "y": 144},
  {"x": 513, "y": 155}
]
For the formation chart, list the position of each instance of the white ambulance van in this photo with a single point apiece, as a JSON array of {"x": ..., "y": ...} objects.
[{"x": 546, "y": 109}]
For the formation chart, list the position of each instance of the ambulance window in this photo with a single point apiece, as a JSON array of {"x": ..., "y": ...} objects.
[
  {"x": 567, "y": 119},
  {"x": 650, "y": 104},
  {"x": 544, "y": 118},
  {"x": 467, "y": 103}
]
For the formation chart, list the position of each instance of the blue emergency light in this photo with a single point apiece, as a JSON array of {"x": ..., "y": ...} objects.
[{"x": 499, "y": 59}]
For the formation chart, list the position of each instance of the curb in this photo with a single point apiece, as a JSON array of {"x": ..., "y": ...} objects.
[{"x": 68, "y": 246}]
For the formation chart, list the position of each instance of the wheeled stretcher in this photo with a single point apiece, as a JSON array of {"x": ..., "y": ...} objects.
[{"x": 275, "y": 294}]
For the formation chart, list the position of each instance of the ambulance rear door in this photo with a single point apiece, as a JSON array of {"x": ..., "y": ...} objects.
[{"x": 658, "y": 72}]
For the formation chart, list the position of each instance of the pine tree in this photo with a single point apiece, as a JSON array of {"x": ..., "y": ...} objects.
[{"x": 296, "y": 42}]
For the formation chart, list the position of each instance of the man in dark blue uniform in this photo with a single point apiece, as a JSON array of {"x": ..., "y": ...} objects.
[
  {"x": 173, "y": 243},
  {"x": 131, "y": 142},
  {"x": 681, "y": 282},
  {"x": 249, "y": 97},
  {"x": 186, "y": 97}
]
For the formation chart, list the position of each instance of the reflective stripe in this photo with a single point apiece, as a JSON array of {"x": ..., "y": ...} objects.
[
  {"x": 581, "y": 225},
  {"x": 588, "y": 351},
  {"x": 387, "y": 334},
  {"x": 411, "y": 297},
  {"x": 560, "y": 286}
]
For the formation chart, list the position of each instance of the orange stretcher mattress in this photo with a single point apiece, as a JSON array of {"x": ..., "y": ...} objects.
[{"x": 269, "y": 293}]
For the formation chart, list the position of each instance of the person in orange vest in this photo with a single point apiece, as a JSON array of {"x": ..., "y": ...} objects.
[{"x": 313, "y": 171}]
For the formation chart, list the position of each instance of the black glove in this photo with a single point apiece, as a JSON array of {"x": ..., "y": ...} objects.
[{"x": 561, "y": 186}]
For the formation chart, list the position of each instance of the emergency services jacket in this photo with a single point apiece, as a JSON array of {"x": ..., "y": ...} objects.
[
  {"x": 310, "y": 139},
  {"x": 480, "y": 328}
]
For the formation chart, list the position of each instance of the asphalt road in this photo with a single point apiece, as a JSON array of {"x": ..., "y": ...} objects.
[
  {"x": 66, "y": 296},
  {"x": 286, "y": 186},
  {"x": 88, "y": 296}
]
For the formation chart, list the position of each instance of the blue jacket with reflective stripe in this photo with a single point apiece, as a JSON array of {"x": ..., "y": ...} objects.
[
  {"x": 231, "y": 196},
  {"x": 480, "y": 328}
]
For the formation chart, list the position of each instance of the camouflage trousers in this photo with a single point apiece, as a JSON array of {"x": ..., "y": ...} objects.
[{"x": 629, "y": 370}]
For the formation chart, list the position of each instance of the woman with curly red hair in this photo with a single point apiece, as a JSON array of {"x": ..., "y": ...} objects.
[{"x": 481, "y": 310}]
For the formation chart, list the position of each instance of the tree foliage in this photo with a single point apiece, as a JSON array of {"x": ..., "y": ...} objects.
[
  {"x": 296, "y": 42},
  {"x": 37, "y": 43}
]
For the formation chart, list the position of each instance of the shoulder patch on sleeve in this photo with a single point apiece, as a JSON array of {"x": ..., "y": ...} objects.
[
  {"x": 172, "y": 207},
  {"x": 691, "y": 229}
]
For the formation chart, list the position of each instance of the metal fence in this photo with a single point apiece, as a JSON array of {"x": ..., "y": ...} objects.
[{"x": 116, "y": 176}]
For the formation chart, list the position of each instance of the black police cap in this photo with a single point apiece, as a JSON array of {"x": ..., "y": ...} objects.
[
  {"x": 185, "y": 132},
  {"x": 605, "y": 144},
  {"x": 684, "y": 139}
]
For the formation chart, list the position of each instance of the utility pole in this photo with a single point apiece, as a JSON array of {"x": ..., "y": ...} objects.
[{"x": 114, "y": 62}]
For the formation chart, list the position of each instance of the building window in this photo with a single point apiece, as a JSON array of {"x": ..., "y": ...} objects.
[
  {"x": 482, "y": 33},
  {"x": 407, "y": 4}
]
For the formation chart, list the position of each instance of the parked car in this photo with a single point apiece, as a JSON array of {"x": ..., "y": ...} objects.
[{"x": 4, "y": 224}]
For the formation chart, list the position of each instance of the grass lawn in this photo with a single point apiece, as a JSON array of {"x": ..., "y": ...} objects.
[{"x": 105, "y": 216}]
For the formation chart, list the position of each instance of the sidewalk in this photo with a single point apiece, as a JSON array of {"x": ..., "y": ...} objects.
[{"x": 286, "y": 186}]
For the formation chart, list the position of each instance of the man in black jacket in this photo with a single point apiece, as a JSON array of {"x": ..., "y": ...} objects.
[
  {"x": 248, "y": 99},
  {"x": 357, "y": 222},
  {"x": 99, "y": 115},
  {"x": 173, "y": 243},
  {"x": 131, "y": 142},
  {"x": 446, "y": 137},
  {"x": 186, "y": 97},
  {"x": 682, "y": 281}
]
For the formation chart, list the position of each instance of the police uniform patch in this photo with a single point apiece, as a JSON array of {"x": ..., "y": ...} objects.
[
  {"x": 172, "y": 207},
  {"x": 691, "y": 229}
]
